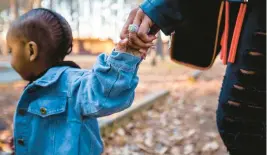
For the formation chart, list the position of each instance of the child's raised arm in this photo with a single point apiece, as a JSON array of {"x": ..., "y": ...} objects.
[{"x": 110, "y": 86}]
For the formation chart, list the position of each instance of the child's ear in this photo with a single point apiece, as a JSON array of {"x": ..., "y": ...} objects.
[{"x": 32, "y": 50}]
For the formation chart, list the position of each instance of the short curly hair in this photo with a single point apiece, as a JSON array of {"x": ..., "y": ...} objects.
[{"x": 48, "y": 29}]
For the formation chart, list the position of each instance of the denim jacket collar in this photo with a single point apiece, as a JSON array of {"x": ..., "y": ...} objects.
[{"x": 50, "y": 77}]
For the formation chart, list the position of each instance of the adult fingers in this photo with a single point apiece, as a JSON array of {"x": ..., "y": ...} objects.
[
  {"x": 124, "y": 32},
  {"x": 137, "y": 43},
  {"x": 144, "y": 28},
  {"x": 134, "y": 40}
]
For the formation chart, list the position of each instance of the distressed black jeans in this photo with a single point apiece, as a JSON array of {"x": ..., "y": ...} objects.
[{"x": 241, "y": 113}]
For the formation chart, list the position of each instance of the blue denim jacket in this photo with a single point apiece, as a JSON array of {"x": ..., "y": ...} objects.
[{"x": 57, "y": 113}]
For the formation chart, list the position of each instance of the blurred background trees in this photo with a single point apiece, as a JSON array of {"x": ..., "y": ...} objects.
[
  {"x": 96, "y": 24},
  {"x": 90, "y": 19}
]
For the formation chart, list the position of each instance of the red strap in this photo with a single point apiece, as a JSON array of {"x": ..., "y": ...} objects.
[
  {"x": 224, "y": 41},
  {"x": 237, "y": 31},
  {"x": 236, "y": 34}
]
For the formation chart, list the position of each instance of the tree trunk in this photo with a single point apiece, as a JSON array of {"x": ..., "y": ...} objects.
[
  {"x": 51, "y": 4},
  {"x": 14, "y": 9},
  {"x": 71, "y": 9},
  {"x": 78, "y": 19}
]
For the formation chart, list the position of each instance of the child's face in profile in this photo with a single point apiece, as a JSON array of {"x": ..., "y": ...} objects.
[{"x": 20, "y": 59}]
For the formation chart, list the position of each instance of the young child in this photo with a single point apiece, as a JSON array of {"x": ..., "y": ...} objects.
[{"x": 56, "y": 114}]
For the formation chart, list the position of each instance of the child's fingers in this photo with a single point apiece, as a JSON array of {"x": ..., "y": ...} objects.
[{"x": 122, "y": 45}]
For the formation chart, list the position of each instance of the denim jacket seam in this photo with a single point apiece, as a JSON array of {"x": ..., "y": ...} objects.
[
  {"x": 106, "y": 96},
  {"x": 91, "y": 145},
  {"x": 50, "y": 112},
  {"x": 110, "y": 90},
  {"x": 72, "y": 83}
]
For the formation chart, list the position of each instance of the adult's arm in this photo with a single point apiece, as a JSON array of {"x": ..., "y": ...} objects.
[{"x": 166, "y": 14}]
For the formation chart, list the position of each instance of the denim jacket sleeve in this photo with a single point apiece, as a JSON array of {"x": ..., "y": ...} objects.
[
  {"x": 110, "y": 86},
  {"x": 165, "y": 14}
]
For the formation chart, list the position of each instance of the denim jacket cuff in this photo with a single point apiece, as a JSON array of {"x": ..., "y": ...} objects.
[{"x": 124, "y": 61}]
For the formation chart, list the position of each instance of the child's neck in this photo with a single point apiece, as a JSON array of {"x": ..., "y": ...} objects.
[{"x": 39, "y": 71}]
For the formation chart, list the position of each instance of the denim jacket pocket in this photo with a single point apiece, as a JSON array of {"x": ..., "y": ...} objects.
[{"x": 47, "y": 106}]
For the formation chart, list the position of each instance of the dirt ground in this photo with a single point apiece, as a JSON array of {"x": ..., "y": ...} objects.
[{"x": 184, "y": 125}]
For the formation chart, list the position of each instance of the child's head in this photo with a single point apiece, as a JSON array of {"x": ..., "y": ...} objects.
[{"x": 37, "y": 40}]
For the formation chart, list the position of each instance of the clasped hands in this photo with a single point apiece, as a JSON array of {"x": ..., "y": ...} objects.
[{"x": 134, "y": 35}]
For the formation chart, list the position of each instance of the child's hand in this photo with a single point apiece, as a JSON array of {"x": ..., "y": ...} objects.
[{"x": 122, "y": 46}]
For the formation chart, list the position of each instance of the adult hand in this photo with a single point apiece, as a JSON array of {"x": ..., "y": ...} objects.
[{"x": 139, "y": 39}]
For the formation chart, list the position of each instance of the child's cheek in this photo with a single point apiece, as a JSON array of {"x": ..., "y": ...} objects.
[
  {"x": 12, "y": 62},
  {"x": 14, "y": 66},
  {"x": 16, "y": 63}
]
